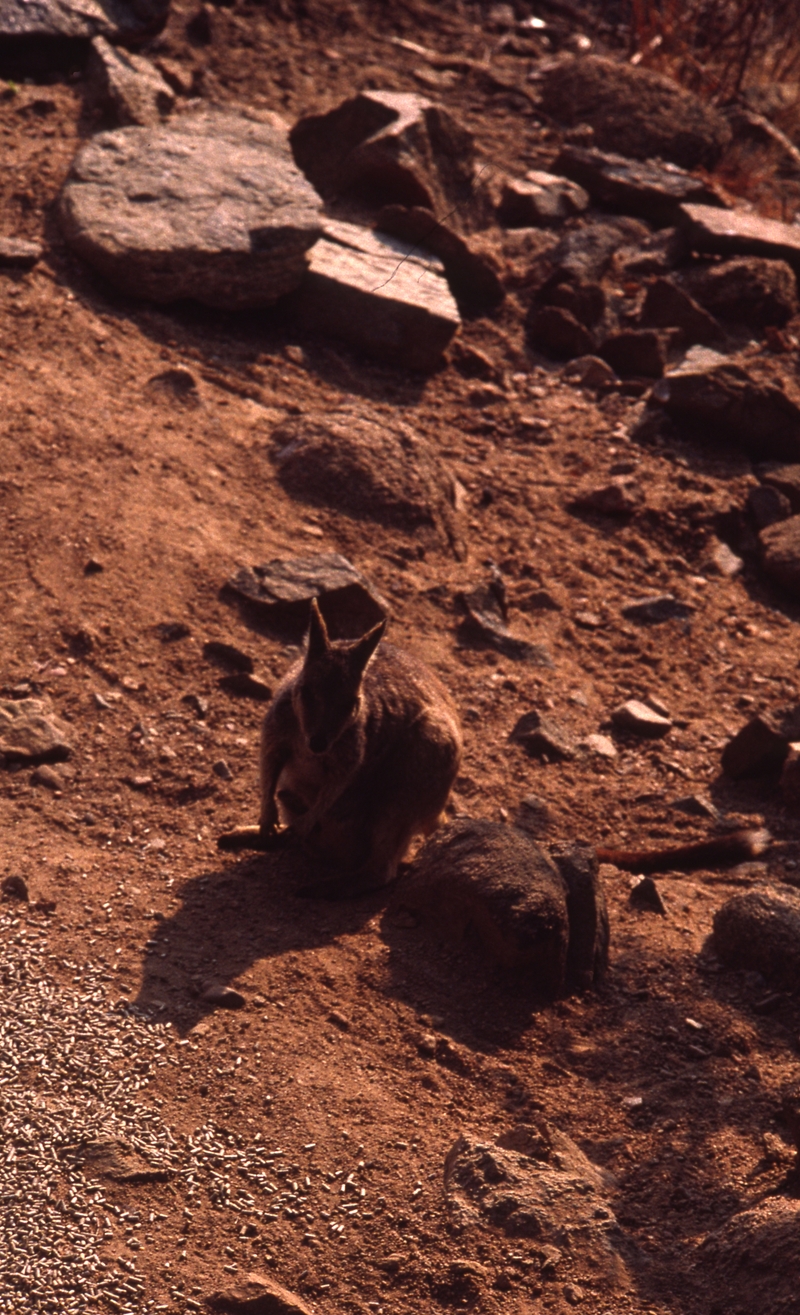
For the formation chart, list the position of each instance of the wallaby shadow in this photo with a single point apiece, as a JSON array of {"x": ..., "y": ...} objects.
[{"x": 228, "y": 919}]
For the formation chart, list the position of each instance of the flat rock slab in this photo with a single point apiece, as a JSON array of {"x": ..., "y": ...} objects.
[
  {"x": 534, "y": 1182},
  {"x": 388, "y": 147},
  {"x": 210, "y": 208},
  {"x": 759, "y": 931},
  {"x": 786, "y": 479},
  {"x": 485, "y": 622},
  {"x": 385, "y": 305},
  {"x": 26, "y": 22},
  {"x": 721, "y": 400},
  {"x": 127, "y": 85},
  {"x": 18, "y": 253},
  {"x": 30, "y": 733},
  {"x": 256, "y": 1294},
  {"x": 280, "y": 592},
  {"x": 542, "y": 736},
  {"x": 370, "y": 464},
  {"x": 634, "y": 111},
  {"x": 650, "y": 189},
  {"x": 739, "y": 233},
  {"x": 780, "y": 554},
  {"x": 657, "y": 609}
]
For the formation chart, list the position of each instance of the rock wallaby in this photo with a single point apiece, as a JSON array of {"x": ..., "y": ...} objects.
[{"x": 359, "y": 750}]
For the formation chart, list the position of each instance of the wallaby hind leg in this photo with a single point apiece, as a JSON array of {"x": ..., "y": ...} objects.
[{"x": 266, "y": 835}]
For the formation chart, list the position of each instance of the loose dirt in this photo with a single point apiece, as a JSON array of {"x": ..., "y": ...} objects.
[{"x": 165, "y": 482}]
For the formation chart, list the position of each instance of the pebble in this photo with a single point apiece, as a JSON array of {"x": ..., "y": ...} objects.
[
  {"x": 100, "y": 702},
  {"x": 15, "y": 887},
  {"x": 220, "y": 768},
  {"x": 223, "y": 997},
  {"x": 48, "y": 777},
  {"x": 646, "y": 895},
  {"x": 639, "y": 719},
  {"x": 661, "y": 607},
  {"x": 697, "y": 805},
  {"x": 196, "y": 703},
  {"x": 601, "y": 745}
]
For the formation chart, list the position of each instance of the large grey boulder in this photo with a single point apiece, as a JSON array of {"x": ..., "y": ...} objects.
[
  {"x": 650, "y": 189},
  {"x": 368, "y": 463},
  {"x": 634, "y": 111},
  {"x": 378, "y": 295},
  {"x": 388, "y": 147},
  {"x": 211, "y": 207}
]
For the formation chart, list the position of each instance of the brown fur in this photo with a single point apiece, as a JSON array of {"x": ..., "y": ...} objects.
[
  {"x": 359, "y": 750},
  {"x": 718, "y": 852}
]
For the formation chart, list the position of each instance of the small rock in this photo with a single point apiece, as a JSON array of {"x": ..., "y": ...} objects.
[
  {"x": 48, "y": 777},
  {"x": 698, "y": 805},
  {"x": 30, "y": 734},
  {"x": 661, "y": 607},
  {"x": 573, "y": 1293},
  {"x": 649, "y": 189},
  {"x": 590, "y": 372},
  {"x": 127, "y": 84},
  {"x": 790, "y": 779},
  {"x": 18, "y": 253},
  {"x": 169, "y": 632},
  {"x": 646, "y": 895},
  {"x": 657, "y": 254},
  {"x": 281, "y": 592},
  {"x": 666, "y": 306},
  {"x": 556, "y": 332},
  {"x": 600, "y": 745},
  {"x": 768, "y": 505},
  {"x": 534, "y": 815},
  {"x": 722, "y": 560},
  {"x": 634, "y": 353},
  {"x": 223, "y": 997},
  {"x": 584, "y": 254},
  {"x": 93, "y": 567},
  {"x": 197, "y": 704},
  {"x": 111, "y": 1158},
  {"x": 541, "y": 736},
  {"x": 740, "y": 233},
  {"x": 637, "y": 719},
  {"x": 759, "y": 931},
  {"x": 758, "y": 749},
  {"x": 220, "y": 768},
  {"x": 339, "y": 1020},
  {"x": 752, "y": 291},
  {"x": 15, "y": 888},
  {"x": 228, "y": 655},
  {"x": 540, "y": 199},
  {"x": 426, "y": 1045},
  {"x": 245, "y": 686},
  {"x": 139, "y": 782},
  {"x": 784, "y": 478},
  {"x": 257, "y": 1294},
  {"x": 620, "y": 497},
  {"x": 780, "y": 554},
  {"x": 585, "y": 300},
  {"x": 485, "y": 621}
]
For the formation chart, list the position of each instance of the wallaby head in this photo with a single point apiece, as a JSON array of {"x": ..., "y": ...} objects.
[{"x": 327, "y": 694}]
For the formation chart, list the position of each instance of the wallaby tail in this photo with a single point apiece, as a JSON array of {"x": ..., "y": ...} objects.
[{"x": 719, "y": 852}]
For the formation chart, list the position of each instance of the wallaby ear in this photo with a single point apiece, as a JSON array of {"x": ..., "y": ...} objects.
[
  {"x": 318, "y": 643},
  {"x": 362, "y": 651}
]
